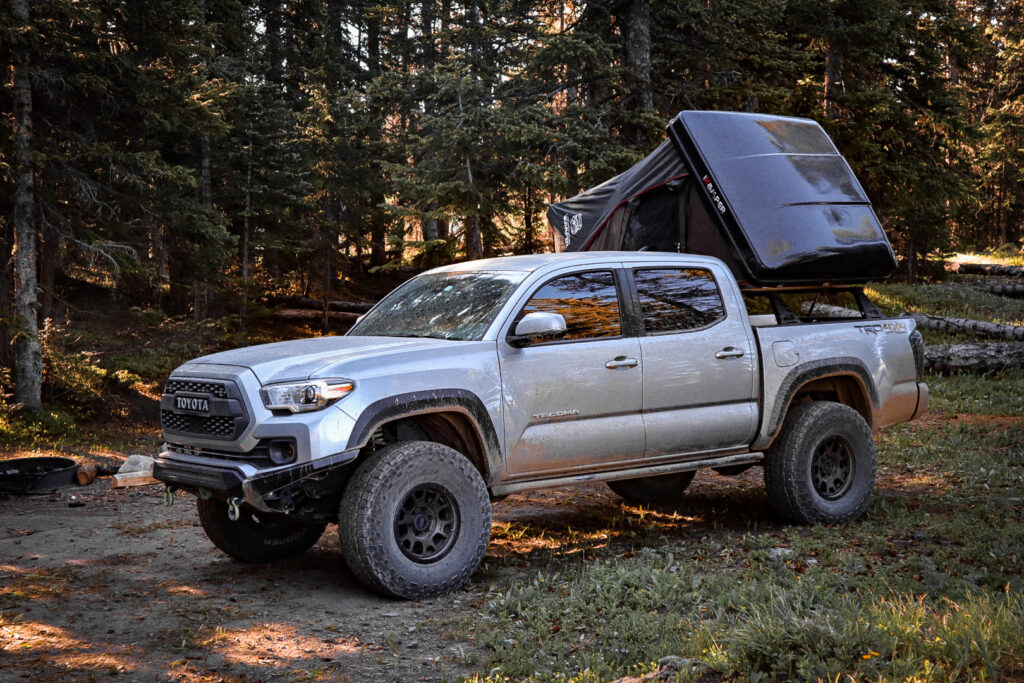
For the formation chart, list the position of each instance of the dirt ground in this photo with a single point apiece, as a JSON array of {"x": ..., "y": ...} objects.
[{"x": 98, "y": 582}]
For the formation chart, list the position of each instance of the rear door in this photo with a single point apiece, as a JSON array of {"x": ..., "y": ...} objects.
[
  {"x": 699, "y": 362},
  {"x": 574, "y": 403}
]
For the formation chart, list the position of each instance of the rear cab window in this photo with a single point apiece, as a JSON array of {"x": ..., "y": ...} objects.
[{"x": 677, "y": 299}]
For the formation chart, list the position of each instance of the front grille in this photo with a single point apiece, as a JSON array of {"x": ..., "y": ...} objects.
[
  {"x": 225, "y": 419},
  {"x": 217, "y": 389},
  {"x": 194, "y": 424}
]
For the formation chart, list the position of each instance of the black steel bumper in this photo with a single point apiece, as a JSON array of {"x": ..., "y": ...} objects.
[{"x": 231, "y": 480}]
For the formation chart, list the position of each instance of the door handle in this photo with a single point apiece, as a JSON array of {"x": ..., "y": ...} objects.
[
  {"x": 621, "y": 362},
  {"x": 730, "y": 352}
]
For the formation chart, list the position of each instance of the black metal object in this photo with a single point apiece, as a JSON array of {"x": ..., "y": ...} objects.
[
  {"x": 771, "y": 196},
  {"x": 427, "y": 523},
  {"x": 832, "y": 468},
  {"x": 27, "y": 475},
  {"x": 784, "y": 198},
  {"x": 221, "y": 414}
]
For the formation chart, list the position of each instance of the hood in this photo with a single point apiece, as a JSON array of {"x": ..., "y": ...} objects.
[{"x": 301, "y": 359}]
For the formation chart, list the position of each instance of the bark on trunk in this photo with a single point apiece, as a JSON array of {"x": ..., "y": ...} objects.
[
  {"x": 975, "y": 327},
  {"x": 973, "y": 358},
  {"x": 988, "y": 269},
  {"x": 638, "y": 51},
  {"x": 308, "y": 314},
  {"x": 317, "y": 304},
  {"x": 474, "y": 243},
  {"x": 1001, "y": 289},
  {"x": 941, "y": 323},
  {"x": 28, "y": 371},
  {"x": 246, "y": 225},
  {"x": 834, "y": 85}
]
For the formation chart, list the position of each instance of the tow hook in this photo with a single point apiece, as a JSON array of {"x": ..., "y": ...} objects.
[
  {"x": 169, "y": 492},
  {"x": 233, "y": 509}
]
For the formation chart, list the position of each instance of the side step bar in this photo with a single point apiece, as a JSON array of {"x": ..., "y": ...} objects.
[{"x": 633, "y": 473}]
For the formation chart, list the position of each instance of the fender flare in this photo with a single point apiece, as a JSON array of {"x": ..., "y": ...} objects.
[
  {"x": 808, "y": 372},
  {"x": 422, "y": 402}
]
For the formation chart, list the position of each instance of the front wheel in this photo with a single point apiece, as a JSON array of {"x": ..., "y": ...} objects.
[
  {"x": 415, "y": 520},
  {"x": 256, "y": 537},
  {"x": 821, "y": 470}
]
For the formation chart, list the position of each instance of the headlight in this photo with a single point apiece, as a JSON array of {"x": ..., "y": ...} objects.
[{"x": 302, "y": 397}]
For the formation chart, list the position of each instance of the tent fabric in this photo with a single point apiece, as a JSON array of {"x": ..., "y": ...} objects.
[
  {"x": 771, "y": 196},
  {"x": 578, "y": 220}
]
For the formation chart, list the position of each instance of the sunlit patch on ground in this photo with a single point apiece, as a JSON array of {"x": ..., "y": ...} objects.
[
  {"x": 40, "y": 644},
  {"x": 281, "y": 646}
]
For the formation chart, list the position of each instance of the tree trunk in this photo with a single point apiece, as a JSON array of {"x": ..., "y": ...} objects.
[
  {"x": 528, "y": 221},
  {"x": 974, "y": 358},
  {"x": 834, "y": 85},
  {"x": 975, "y": 327},
  {"x": 430, "y": 226},
  {"x": 988, "y": 269},
  {"x": 246, "y": 226},
  {"x": 474, "y": 244},
  {"x": 637, "y": 37},
  {"x": 1012, "y": 291},
  {"x": 28, "y": 371}
]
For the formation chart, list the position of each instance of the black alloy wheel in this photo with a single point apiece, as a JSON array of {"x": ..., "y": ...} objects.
[
  {"x": 427, "y": 523},
  {"x": 832, "y": 468}
]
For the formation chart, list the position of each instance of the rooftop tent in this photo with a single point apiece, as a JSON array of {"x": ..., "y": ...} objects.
[
  {"x": 769, "y": 195},
  {"x": 582, "y": 222}
]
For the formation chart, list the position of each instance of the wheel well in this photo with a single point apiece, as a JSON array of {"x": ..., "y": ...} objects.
[
  {"x": 845, "y": 389},
  {"x": 449, "y": 427}
]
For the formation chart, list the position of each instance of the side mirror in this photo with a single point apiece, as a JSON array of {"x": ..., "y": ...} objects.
[{"x": 536, "y": 326}]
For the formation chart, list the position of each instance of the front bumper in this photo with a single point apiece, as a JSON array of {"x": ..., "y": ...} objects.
[{"x": 263, "y": 489}]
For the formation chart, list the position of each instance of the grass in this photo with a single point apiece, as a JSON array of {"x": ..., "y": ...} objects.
[{"x": 928, "y": 586}]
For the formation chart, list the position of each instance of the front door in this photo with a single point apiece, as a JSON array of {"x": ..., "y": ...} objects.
[{"x": 574, "y": 403}]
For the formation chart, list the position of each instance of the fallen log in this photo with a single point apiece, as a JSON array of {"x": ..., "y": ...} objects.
[
  {"x": 828, "y": 310},
  {"x": 973, "y": 358},
  {"x": 941, "y": 323},
  {"x": 1012, "y": 291},
  {"x": 318, "y": 304},
  {"x": 988, "y": 269},
  {"x": 309, "y": 314},
  {"x": 978, "y": 328}
]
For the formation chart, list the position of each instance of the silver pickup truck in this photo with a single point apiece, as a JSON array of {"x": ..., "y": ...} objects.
[{"x": 477, "y": 380}]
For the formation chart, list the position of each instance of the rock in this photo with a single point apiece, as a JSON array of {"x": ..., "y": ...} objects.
[
  {"x": 673, "y": 664},
  {"x": 780, "y": 553},
  {"x": 137, "y": 470}
]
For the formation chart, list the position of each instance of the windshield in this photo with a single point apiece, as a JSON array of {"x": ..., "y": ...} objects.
[{"x": 450, "y": 305}]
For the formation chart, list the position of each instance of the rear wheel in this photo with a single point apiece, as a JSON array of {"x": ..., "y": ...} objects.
[
  {"x": 415, "y": 520},
  {"x": 256, "y": 537},
  {"x": 666, "y": 489},
  {"x": 821, "y": 470}
]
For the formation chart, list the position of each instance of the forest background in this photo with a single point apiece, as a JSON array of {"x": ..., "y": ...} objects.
[{"x": 201, "y": 158}]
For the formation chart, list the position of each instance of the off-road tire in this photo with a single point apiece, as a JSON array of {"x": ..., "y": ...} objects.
[
  {"x": 666, "y": 489},
  {"x": 821, "y": 469},
  {"x": 256, "y": 537},
  {"x": 415, "y": 520}
]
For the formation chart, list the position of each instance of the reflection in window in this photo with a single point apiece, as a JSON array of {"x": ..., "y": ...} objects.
[
  {"x": 587, "y": 301},
  {"x": 674, "y": 300},
  {"x": 446, "y": 305}
]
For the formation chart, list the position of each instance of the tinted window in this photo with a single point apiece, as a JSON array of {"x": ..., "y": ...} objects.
[
  {"x": 588, "y": 302},
  {"x": 448, "y": 305},
  {"x": 674, "y": 300}
]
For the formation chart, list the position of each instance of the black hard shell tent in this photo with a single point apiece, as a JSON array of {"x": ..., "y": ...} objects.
[{"x": 769, "y": 195}]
